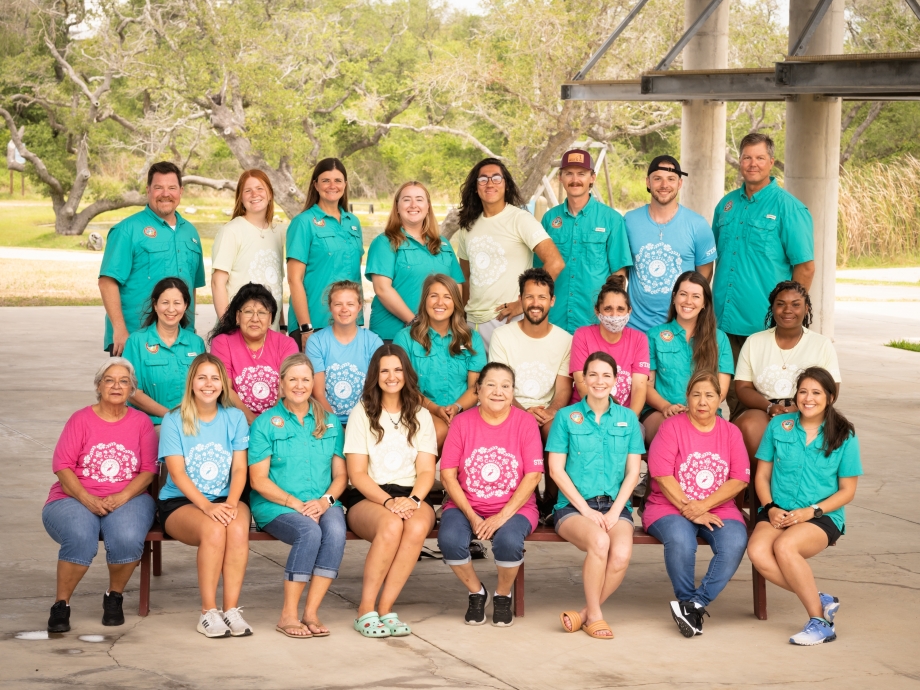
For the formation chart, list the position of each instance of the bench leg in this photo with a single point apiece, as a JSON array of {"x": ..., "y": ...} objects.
[
  {"x": 157, "y": 558},
  {"x": 143, "y": 605},
  {"x": 518, "y": 593},
  {"x": 760, "y": 594}
]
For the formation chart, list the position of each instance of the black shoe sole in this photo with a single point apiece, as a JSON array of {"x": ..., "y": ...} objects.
[
  {"x": 59, "y": 628},
  {"x": 685, "y": 628},
  {"x": 111, "y": 623}
]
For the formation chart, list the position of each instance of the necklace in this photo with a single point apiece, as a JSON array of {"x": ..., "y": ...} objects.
[
  {"x": 791, "y": 350},
  {"x": 257, "y": 356},
  {"x": 395, "y": 422}
]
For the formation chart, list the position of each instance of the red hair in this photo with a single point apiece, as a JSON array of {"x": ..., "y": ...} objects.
[{"x": 239, "y": 209}]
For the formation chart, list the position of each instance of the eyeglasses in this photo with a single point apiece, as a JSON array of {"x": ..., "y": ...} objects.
[
  {"x": 111, "y": 383},
  {"x": 261, "y": 315},
  {"x": 494, "y": 179}
]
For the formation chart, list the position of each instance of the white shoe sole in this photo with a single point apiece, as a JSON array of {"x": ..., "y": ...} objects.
[
  {"x": 204, "y": 631},
  {"x": 686, "y": 629}
]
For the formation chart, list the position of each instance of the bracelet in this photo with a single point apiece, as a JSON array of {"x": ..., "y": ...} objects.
[
  {"x": 286, "y": 500},
  {"x": 388, "y": 500}
]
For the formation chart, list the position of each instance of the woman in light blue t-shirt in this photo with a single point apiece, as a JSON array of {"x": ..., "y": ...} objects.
[{"x": 203, "y": 443}]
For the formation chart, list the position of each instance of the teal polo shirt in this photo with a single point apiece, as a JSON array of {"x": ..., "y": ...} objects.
[
  {"x": 331, "y": 250},
  {"x": 407, "y": 267},
  {"x": 802, "y": 475},
  {"x": 593, "y": 244},
  {"x": 140, "y": 251},
  {"x": 442, "y": 376},
  {"x": 161, "y": 369},
  {"x": 671, "y": 358},
  {"x": 300, "y": 463},
  {"x": 759, "y": 239},
  {"x": 595, "y": 451}
]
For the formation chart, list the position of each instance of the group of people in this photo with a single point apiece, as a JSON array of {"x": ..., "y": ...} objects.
[{"x": 480, "y": 365}]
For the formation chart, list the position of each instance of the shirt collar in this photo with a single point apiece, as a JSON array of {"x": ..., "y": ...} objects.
[
  {"x": 434, "y": 334},
  {"x": 589, "y": 413},
  {"x": 676, "y": 329},
  {"x": 182, "y": 338},
  {"x": 342, "y": 213},
  {"x": 760, "y": 193},
  {"x": 583, "y": 211},
  {"x": 156, "y": 219},
  {"x": 285, "y": 412}
]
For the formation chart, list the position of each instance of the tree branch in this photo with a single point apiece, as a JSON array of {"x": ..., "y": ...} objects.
[
  {"x": 434, "y": 128},
  {"x": 37, "y": 163},
  {"x": 874, "y": 111},
  {"x": 209, "y": 182},
  {"x": 74, "y": 77}
]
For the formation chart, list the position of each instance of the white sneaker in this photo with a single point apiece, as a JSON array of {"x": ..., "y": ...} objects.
[
  {"x": 211, "y": 624},
  {"x": 234, "y": 620}
]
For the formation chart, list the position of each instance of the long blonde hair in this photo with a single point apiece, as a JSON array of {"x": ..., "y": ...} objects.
[
  {"x": 430, "y": 232},
  {"x": 319, "y": 414},
  {"x": 188, "y": 410}
]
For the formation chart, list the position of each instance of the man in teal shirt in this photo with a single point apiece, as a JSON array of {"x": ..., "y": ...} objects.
[
  {"x": 143, "y": 249},
  {"x": 591, "y": 237},
  {"x": 764, "y": 235}
]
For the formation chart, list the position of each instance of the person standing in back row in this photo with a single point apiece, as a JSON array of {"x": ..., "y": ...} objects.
[
  {"x": 666, "y": 239},
  {"x": 764, "y": 236},
  {"x": 591, "y": 238},
  {"x": 143, "y": 249},
  {"x": 497, "y": 243}
]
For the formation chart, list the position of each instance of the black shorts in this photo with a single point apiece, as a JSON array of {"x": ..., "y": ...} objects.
[
  {"x": 646, "y": 414},
  {"x": 824, "y": 522},
  {"x": 171, "y": 505},
  {"x": 352, "y": 496}
]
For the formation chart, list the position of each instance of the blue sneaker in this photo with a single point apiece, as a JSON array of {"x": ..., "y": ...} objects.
[
  {"x": 830, "y": 605},
  {"x": 815, "y": 632}
]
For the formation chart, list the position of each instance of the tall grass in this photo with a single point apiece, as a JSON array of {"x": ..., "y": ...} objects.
[{"x": 879, "y": 217}]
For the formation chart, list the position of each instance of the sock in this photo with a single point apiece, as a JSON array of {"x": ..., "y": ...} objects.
[
  {"x": 108, "y": 592},
  {"x": 482, "y": 589},
  {"x": 823, "y": 620},
  {"x": 496, "y": 594}
]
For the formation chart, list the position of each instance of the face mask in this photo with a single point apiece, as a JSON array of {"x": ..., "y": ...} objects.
[{"x": 614, "y": 324}]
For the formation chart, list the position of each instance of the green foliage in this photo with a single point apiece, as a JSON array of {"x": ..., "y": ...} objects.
[{"x": 909, "y": 345}]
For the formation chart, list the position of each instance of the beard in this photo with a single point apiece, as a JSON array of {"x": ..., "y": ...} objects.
[
  {"x": 540, "y": 319},
  {"x": 664, "y": 199}
]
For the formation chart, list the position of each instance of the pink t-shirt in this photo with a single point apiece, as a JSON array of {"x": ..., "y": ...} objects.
[
  {"x": 254, "y": 375},
  {"x": 105, "y": 456},
  {"x": 492, "y": 460},
  {"x": 630, "y": 353},
  {"x": 700, "y": 461}
]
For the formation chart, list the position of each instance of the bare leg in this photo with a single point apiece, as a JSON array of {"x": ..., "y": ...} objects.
[
  {"x": 651, "y": 424},
  {"x": 595, "y": 542},
  {"x": 415, "y": 529},
  {"x": 621, "y": 543},
  {"x": 468, "y": 577},
  {"x": 374, "y": 523},
  {"x": 236, "y": 556},
  {"x": 68, "y": 577},
  {"x": 505, "y": 580},
  {"x": 440, "y": 430},
  {"x": 190, "y": 526},
  {"x": 798, "y": 543},
  {"x": 319, "y": 585},
  {"x": 292, "y": 592},
  {"x": 119, "y": 574},
  {"x": 752, "y": 424}
]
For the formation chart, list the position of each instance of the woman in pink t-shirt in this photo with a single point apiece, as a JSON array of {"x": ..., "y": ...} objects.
[
  {"x": 627, "y": 346},
  {"x": 105, "y": 459},
  {"x": 250, "y": 351},
  {"x": 490, "y": 465},
  {"x": 699, "y": 465}
]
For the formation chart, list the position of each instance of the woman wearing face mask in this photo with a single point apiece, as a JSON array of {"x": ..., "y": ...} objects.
[{"x": 627, "y": 346}]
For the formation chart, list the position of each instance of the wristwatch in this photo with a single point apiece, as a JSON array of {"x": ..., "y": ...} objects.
[
  {"x": 818, "y": 511},
  {"x": 306, "y": 328},
  {"x": 330, "y": 498},
  {"x": 418, "y": 501},
  {"x": 459, "y": 408}
]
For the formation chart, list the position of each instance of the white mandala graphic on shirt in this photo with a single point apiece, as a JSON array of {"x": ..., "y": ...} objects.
[
  {"x": 344, "y": 383},
  {"x": 777, "y": 383},
  {"x": 701, "y": 474},
  {"x": 487, "y": 261},
  {"x": 534, "y": 379},
  {"x": 257, "y": 387},
  {"x": 491, "y": 472},
  {"x": 392, "y": 458},
  {"x": 624, "y": 386},
  {"x": 110, "y": 462},
  {"x": 208, "y": 465},
  {"x": 264, "y": 270},
  {"x": 657, "y": 267}
]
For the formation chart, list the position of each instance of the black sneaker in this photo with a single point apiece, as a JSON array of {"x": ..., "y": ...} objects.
[
  {"x": 59, "y": 622},
  {"x": 111, "y": 609},
  {"x": 476, "y": 610},
  {"x": 689, "y": 617},
  {"x": 501, "y": 611}
]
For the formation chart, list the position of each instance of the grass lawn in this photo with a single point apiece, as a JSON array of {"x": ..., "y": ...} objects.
[{"x": 911, "y": 345}]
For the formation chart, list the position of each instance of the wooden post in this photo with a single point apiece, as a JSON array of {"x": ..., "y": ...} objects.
[
  {"x": 607, "y": 178},
  {"x": 518, "y": 593},
  {"x": 143, "y": 605}
]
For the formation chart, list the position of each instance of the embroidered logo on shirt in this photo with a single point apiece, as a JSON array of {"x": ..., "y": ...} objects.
[
  {"x": 771, "y": 216},
  {"x": 319, "y": 222},
  {"x": 150, "y": 232},
  {"x": 667, "y": 336},
  {"x": 153, "y": 349},
  {"x": 577, "y": 417},
  {"x": 278, "y": 422},
  {"x": 557, "y": 222},
  {"x": 727, "y": 207},
  {"x": 195, "y": 240},
  {"x": 600, "y": 229},
  {"x": 622, "y": 424},
  {"x": 788, "y": 424}
]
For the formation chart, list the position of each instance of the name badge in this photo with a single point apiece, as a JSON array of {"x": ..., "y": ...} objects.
[
  {"x": 622, "y": 424},
  {"x": 600, "y": 229},
  {"x": 191, "y": 354},
  {"x": 771, "y": 217},
  {"x": 330, "y": 426}
]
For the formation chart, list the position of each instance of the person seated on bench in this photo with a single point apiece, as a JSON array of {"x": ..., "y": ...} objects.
[
  {"x": 698, "y": 464},
  {"x": 770, "y": 362},
  {"x": 162, "y": 350},
  {"x": 390, "y": 450},
  {"x": 104, "y": 460},
  {"x": 250, "y": 350},
  {"x": 446, "y": 353},
  {"x": 297, "y": 471},
  {"x": 203, "y": 443},
  {"x": 490, "y": 466},
  {"x": 808, "y": 470},
  {"x": 340, "y": 352},
  {"x": 687, "y": 343},
  {"x": 594, "y": 452}
]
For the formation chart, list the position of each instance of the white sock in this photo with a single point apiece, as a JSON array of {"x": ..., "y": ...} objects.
[
  {"x": 496, "y": 594},
  {"x": 482, "y": 589},
  {"x": 108, "y": 592}
]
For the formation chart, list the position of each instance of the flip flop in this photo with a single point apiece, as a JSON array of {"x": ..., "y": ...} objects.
[
  {"x": 396, "y": 627},
  {"x": 574, "y": 621},
  {"x": 316, "y": 624},
  {"x": 370, "y": 625},
  {"x": 595, "y": 628},
  {"x": 285, "y": 630}
]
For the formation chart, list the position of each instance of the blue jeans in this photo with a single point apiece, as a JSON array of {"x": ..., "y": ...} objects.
[
  {"x": 316, "y": 547},
  {"x": 603, "y": 504},
  {"x": 679, "y": 535},
  {"x": 455, "y": 534},
  {"x": 72, "y": 525}
]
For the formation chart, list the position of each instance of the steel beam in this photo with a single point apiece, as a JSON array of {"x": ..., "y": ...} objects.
[
  {"x": 688, "y": 36},
  {"x": 609, "y": 42},
  {"x": 801, "y": 43},
  {"x": 914, "y": 6}
]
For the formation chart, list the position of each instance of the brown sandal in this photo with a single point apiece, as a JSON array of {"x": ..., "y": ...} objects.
[
  {"x": 574, "y": 621},
  {"x": 595, "y": 628},
  {"x": 286, "y": 631},
  {"x": 315, "y": 624}
]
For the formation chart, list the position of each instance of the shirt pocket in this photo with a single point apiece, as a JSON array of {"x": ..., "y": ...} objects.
[
  {"x": 156, "y": 256},
  {"x": 595, "y": 248},
  {"x": 155, "y": 372},
  {"x": 787, "y": 470},
  {"x": 409, "y": 256},
  {"x": 331, "y": 242},
  {"x": 618, "y": 441},
  {"x": 584, "y": 445},
  {"x": 671, "y": 354},
  {"x": 192, "y": 258},
  {"x": 764, "y": 238}
]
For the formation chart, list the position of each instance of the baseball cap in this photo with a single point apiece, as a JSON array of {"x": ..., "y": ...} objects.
[
  {"x": 576, "y": 158},
  {"x": 658, "y": 160}
]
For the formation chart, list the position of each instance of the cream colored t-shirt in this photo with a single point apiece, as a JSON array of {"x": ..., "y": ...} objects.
[
  {"x": 251, "y": 255},
  {"x": 536, "y": 361},
  {"x": 392, "y": 461},
  {"x": 499, "y": 249},
  {"x": 774, "y": 372}
]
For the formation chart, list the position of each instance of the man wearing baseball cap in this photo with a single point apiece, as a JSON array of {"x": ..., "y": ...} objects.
[
  {"x": 665, "y": 239},
  {"x": 591, "y": 238}
]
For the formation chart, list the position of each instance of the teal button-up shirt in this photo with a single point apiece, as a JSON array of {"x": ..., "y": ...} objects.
[
  {"x": 593, "y": 244},
  {"x": 759, "y": 239},
  {"x": 300, "y": 463},
  {"x": 331, "y": 250},
  {"x": 442, "y": 376},
  {"x": 161, "y": 369},
  {"x": 140, "y": 251},
  {"x": 595, "y": 451},
  {"x": 671, "y": 358},
  {"x": 802, "y": 475}
]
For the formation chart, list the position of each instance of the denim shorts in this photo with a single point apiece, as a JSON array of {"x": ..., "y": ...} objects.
[{"x": 602, "y": 504}]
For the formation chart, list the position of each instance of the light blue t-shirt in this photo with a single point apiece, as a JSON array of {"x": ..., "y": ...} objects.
[
  {"x": 345, "y": 366},
  {"x": 660, "y": 254},
  {"x": 208, "y": 455}
]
